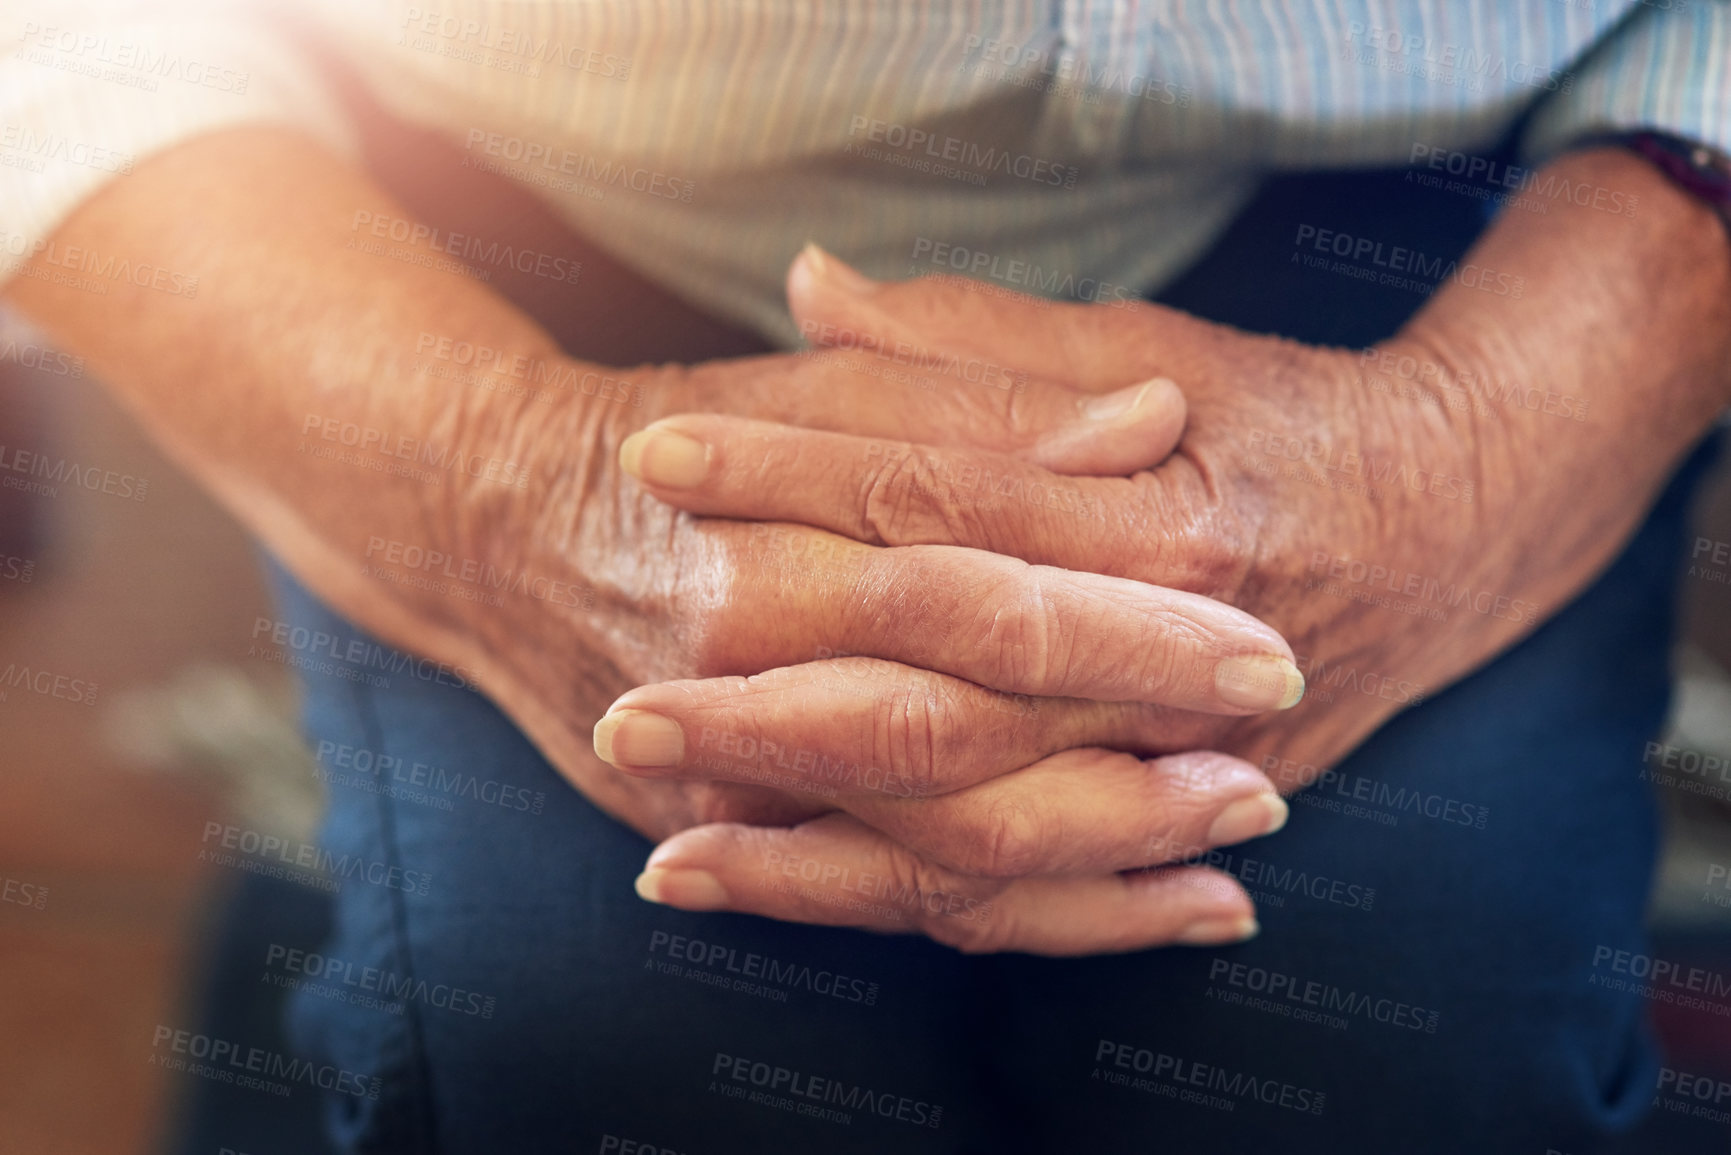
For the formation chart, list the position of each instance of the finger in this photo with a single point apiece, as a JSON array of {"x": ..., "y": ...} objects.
[
  {"x": 918, "y": 757},
  {"x": 853, "y": 728},
  {"x": 957, "y": 773},
  {"x": 984, "y": 783},
  {"x": 1093, "y": 347},
  {"x": 900, "y": 390},
  {"x": 1085, "y": 811},
  {"x": 895, "y": 493},
  {"x": 885, "y": 492},
  {"x": 988, "y": 619},
  {"x": 835, "y": 871}
]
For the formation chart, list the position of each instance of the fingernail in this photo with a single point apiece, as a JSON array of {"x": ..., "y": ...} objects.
[
  {"x": 837, "y": 271},
  {"x": 1111, "y": 406},
  {"x": 1248, "y": 818},
  {"x": 1259, "y": 682},
  {"x": 1219, "y": 931},
  {"x": 663, "y": 457},
  {"x": 639, "y": 738},
  {"x": 685, "y": 889}
]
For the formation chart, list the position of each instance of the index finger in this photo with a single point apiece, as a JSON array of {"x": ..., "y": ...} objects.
[
  {"x": 1001, "y": 623},
  {"x": 836, "y": 871}
]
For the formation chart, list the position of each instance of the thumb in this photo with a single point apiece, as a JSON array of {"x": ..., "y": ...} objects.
[
  {"x": 1090, "y": 347},
  {"x": 1120, "y": 427}
]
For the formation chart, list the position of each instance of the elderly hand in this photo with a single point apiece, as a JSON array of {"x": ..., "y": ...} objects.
[
  {"x": 1380, "y": 507},
  {"x": 1230, "y": 515},
  {"x": 941, "y": 642},
  {"x": 520, "y": 555},
  {"x": 1328, "y": 491},
  {"x": 965, "y": 719}
]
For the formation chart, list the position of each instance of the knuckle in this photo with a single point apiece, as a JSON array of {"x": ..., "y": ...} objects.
[
  {"x": 1225, "y": 552},
  {"x": 912, "y": 737},
  {"x": 1010, "y": 841},
  {"x": 1204, "y": 545},
  {"x": 1026, "y": 413},
  {"x": 1022, "y": 636},
  {"x": 1220, "y": 551},
  {"x": 889, "y": 501},
  {"x": 903, "y": 502},
  {"x": 986, "y": 932},
  {"x": 944, "y": 906}
]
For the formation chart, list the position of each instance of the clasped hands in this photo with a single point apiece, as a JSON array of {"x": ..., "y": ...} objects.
[{"x": 985, "y": 620}]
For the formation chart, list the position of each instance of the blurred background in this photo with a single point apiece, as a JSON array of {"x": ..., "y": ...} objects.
[
  {"x": 159, "y": 717},
  {"x": 154, "y": 722}
]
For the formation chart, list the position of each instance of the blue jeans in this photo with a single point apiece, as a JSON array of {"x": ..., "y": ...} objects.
[{"x": 1434, "y": 914}]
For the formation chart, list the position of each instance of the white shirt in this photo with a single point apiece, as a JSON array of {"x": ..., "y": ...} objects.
[{"x": 1080, "y": 148}]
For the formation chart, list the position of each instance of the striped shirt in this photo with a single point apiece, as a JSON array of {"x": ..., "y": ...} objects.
[{"x": 1075, "y": 148}]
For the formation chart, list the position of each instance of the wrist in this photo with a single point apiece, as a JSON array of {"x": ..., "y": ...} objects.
[
  {"x": 1618, "y": 348},
  {"x": 1588, "y": 388},
  {"x": 526, "y": 528},
  {"x": 1621, "y": 310}
]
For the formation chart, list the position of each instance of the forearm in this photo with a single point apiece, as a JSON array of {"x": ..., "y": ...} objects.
[
  {"x": 293, "y": 333},
  {"x": 1631, "y": 314}
]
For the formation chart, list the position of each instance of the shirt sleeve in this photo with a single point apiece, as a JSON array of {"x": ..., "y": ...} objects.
[
  {"x": 1667, "y": 67},
  {"x": 89, "y": 88}
]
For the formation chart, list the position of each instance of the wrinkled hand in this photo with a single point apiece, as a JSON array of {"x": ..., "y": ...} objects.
[
  {"x": 1314, "y": 487},
  {"x": 945, "y": 642}
]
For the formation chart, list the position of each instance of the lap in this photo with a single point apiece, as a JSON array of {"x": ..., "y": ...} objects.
[
  {"x": 1434, "y": 918},
  {"x": 583, "y": 1011},
  {"x": 1431, "y": 919}
]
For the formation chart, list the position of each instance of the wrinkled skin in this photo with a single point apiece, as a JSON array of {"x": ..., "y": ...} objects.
[
  {"x": 301, "y": 328},
  {"x": 1023, "y": 804},
  {"x": 680, "y": 597},
  {"x": 1224, "y": 516},
  {"x": 1231, "y": 514}
]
